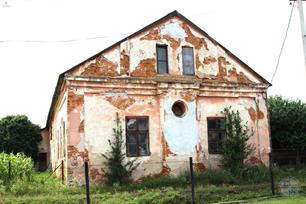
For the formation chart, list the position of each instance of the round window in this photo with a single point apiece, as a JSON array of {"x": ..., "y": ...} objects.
[{"x": 179, "y": 109}]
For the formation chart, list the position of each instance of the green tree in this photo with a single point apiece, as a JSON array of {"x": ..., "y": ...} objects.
[
  {"x": 288, "y": 123},
  {"x": 117, "y": 169},
  {"x": 235, "y": 149},
  {"x": 19, "y": 134}
]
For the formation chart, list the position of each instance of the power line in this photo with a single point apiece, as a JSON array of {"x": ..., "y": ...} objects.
[
  {"x": 281, "y": 50},
  {"x": 61, "y": 41}
]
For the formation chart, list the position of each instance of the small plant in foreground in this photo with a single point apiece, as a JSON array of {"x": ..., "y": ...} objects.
[
  {"x": 235, "y": 149},
  {"x": 118, "y": 171}
]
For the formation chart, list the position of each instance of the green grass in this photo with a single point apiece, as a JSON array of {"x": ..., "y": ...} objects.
[
  {"x": 211, "y": 186},
  {"x": 284, "y": 200}
]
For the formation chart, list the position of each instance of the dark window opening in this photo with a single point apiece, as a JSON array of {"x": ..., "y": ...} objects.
[
  {"x": 137, "y": 136},
  {"x": 179, "y": 109},
  {"x": 162, "y": 59},
  {"x": 216, "y": 134},
  {"x": 188, "y": 61},
  {"x": 42, "y": 161}
]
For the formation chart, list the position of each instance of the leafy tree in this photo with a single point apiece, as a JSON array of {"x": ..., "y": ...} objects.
[
  {"x": 235, "y": 149},
  {"x": 288, "y": 123},
  {"x": 19, "y": 134},
  {"x": 118, "y": 171}
]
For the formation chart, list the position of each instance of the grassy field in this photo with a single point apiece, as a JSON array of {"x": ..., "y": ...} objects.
[{"x": 211, "y": 187}]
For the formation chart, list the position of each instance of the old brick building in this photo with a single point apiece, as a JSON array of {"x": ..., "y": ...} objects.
[{"x": 169, "y": 83}]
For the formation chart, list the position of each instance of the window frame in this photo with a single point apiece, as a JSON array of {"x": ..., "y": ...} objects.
[
  {"x": 138, "y": 132},
  {"x": 166, "y": 61},
  {"x": 219, "y": 141},
  {"x": 193, "y": 63}
]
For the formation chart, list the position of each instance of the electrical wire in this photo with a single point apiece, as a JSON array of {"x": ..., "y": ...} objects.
[
  {"x": 283, "y": 44},
  {"x": 61, "y": 41}
]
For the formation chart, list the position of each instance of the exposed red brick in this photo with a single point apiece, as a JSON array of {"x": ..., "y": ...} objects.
[
  {"x": 152, "y": 35},
  {"x": 81, "y": 127},
  {"x": 74, "y": 101},
  {"x": 252, "y": 114},
  {"x": 254, "y": 160},
  {"x": 241, "y": 78},
  {"x": 165, "y": 171},
  {"x": 96, "y": 176},
  {"x": 199, "y": 166},
  {"x": 145, "y": 68},
  {"x": 120, "y": 102},
  {"x": 192, "y": 39},
  {"x": 174, "y": 44},
  {"x": 188, "y": 96},
  {"x": 124, "y": 63},
  {"x": 209, "y": 60},
  {"x": 74, "y": 153},
  {"x": 198, "y": 62},
  {"x": 222, "y": 72},
  {"x": 165, "y": 147},
  {"x": 102, "y": 67}
]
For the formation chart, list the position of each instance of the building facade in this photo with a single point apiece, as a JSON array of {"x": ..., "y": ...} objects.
[{"x": 169, "y": 83}]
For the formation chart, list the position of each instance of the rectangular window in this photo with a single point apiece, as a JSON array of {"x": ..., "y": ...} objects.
[
  {"x": 216, "y": 134},
  {"x": 162, "y": 59},
  {"x": 137, "y": 136},
  {"x": 188, "y": 61}
]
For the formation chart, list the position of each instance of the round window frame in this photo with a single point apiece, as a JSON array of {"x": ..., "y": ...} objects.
[{"x": 182, "y": 105}]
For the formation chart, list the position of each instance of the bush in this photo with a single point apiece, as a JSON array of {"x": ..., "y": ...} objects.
[
  {"x": 118, "y": 171},
  {"x": 235, "y": 149},
  {"x": 288, "y": 124}
]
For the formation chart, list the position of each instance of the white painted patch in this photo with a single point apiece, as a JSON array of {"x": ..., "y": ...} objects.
[
  {"x": 174, "y": 30},
  {"x": 181, "y": 133}
]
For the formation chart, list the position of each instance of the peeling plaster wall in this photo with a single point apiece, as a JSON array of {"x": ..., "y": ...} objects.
[
  {"x": 137, "y": 56},
  {"x": 58, "y": 137},
  {"x": 124, "y": 80}
]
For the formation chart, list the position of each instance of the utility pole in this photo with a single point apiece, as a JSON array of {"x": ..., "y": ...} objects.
[{"x": 302, "y": 22}]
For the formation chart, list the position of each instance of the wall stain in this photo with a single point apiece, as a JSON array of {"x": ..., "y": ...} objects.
[
  {"x": 81, "y": 127},
  {"x": 198, "y": 62},
  {"x": 188, "y": 96},
  {"x": 255, "y": 114},
  {"x": 199, "y": 166}
]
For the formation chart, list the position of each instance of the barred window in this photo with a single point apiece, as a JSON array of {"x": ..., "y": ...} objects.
[
  {"x": 216, "y": 134},
  {"x": 137, "y": 136}
]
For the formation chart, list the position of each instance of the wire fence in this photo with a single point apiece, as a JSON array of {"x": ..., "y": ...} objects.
[{"x": 272, "y": 185}]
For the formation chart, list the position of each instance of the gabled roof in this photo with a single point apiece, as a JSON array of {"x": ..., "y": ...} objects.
[{"x": 168, "y": 16}]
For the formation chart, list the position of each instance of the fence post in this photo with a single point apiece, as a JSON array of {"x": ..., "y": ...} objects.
[
  {"x": 9, "y": 169},
  {"x": 192, "y": 180},
  {"x": 87, "y": 183},
  {"x": 271, "y": 173},
  {"x": 62, "y": 168}
]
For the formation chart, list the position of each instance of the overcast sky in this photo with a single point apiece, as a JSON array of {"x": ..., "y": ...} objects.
[{"x": 251, "y": 29}]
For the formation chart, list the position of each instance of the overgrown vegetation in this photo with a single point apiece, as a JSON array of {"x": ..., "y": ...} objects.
[
  {"x": 288, "y": 124},
  {"x": 235, "y": 149},
  {"x": 118, "y": 169},
  {"x": 211, "y": 186},
  {"x": 15, "y": 168},
  {"x": 19, "y": 134}
]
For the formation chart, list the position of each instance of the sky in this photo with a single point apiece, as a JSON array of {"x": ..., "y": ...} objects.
[{"x": 40, "y": 39}]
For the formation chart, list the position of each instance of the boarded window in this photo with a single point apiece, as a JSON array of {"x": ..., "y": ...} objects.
[
  {"x": 137, "y": 136},
  {"x": 188, "y": 62},
  {"x": 216, "y": 134},
  {"x": 162, "y": 59}
]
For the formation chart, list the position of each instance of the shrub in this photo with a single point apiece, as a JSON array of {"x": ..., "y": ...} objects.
[
  {"x": 235, "y": 149},
  {"x": 118, "y": 171}
]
